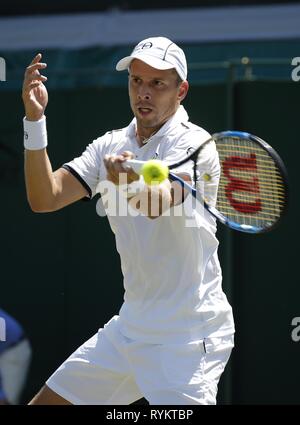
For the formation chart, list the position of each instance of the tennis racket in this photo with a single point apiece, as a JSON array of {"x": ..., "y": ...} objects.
[{"x": 252, "y": 192}]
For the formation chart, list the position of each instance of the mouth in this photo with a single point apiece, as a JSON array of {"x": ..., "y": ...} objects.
[{"x": 144, "y": 110}]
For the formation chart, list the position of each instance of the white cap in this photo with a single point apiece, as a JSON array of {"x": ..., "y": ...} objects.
[{"x": 158, "y": 52}]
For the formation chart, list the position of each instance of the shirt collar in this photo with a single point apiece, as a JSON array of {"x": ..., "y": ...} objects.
[{"x": 179, "y": 117}]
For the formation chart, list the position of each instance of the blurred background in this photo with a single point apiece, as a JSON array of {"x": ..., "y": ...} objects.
[{"x": 60, "y": 273}]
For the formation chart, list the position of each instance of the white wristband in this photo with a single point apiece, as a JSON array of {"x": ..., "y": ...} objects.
[
  {"x": 35, "y": 134},
  {"x": 132, "y": 189}
]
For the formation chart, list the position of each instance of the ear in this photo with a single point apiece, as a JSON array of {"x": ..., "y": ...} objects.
[{"x": 183, "y": 89}]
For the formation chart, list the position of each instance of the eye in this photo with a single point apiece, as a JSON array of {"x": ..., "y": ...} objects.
[
  {"x": 135, "y": 80},
  {"x": 158, "y": 83}
]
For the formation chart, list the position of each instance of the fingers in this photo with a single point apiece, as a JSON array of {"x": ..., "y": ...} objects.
[
  {"x": 131, "y": 175},
  {"x": 36, "y": 59},
  {"x": 128, "y": 155},
  {"x": 32, "y": 73},
  {"x": 116, "y": 169},
  {"x": 32, "y": 86},
  {"x": 34, "y": 69},
  {"x": 35, "y": 65}
]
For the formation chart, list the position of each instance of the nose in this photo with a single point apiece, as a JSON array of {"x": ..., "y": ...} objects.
[
  {"x": 144, "y": 93},
  {"x": 144, "y": 96}
]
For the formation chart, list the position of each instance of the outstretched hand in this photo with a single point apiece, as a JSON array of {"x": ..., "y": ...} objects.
[{"x": 34, "y": 93}]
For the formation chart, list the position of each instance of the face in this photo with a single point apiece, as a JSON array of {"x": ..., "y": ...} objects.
[{"x": 154, "y": 95}]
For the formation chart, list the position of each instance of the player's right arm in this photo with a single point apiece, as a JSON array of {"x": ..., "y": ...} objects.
[{"x": 46, "y": 190}]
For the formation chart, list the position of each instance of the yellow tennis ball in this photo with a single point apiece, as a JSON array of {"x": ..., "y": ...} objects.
[
  {"x": 154, "y": 171},
  {"x": 206, "y": 177}
]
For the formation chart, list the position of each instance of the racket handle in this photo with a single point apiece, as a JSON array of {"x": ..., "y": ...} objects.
[{"x": 135, "y": 164}]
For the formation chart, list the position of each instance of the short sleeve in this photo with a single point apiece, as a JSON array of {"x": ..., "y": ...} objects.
[{"x": 86, "y": 168}]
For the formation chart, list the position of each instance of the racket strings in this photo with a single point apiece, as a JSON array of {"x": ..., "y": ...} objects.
[{"x": 251, "y": 188}]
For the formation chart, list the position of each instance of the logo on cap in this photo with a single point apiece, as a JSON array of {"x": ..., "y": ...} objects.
[{"x": 147, "y": 45}]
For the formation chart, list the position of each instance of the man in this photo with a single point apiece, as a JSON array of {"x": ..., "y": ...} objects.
[
  {"x": 15, "y": 355},
  {"x": 174, "y": 333}
]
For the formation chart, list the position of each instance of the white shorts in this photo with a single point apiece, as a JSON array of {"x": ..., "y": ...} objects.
[{"x": 112, "y": 369}]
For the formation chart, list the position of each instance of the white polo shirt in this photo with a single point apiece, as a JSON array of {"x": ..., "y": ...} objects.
[{"x": 172, "y": 276}]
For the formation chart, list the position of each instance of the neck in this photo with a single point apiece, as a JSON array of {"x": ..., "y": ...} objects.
[
  {"x": 143, "y": 134},
  {"x": 144, "y": 139}
]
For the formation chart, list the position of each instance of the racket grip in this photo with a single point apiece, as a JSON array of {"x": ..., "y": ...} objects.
[{"x": 135, "y": 164}]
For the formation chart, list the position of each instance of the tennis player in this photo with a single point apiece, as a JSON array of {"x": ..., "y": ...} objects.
[{"x": 173, "y": 335}]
